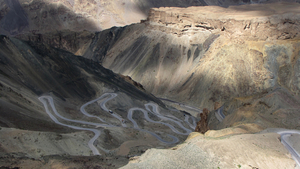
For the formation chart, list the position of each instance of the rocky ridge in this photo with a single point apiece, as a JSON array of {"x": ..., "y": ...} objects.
[{"x": 255, "y": 22}]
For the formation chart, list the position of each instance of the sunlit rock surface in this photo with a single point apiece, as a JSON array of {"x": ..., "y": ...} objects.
[{"x": 202, "y": 151}]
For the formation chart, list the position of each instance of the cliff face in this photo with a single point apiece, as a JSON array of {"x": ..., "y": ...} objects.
[{"x": 250, "y": 22}]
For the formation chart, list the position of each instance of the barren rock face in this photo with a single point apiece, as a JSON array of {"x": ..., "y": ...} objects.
[{"x": 268, "y": 22}]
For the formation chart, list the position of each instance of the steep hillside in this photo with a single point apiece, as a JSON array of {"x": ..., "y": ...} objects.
[{"x": 54, "y": 103}]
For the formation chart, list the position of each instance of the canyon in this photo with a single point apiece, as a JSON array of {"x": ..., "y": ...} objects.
[{"x": 89, "y": 93}]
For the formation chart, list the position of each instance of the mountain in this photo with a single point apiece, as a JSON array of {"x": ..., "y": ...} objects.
[
  {"x": 204, "y": 55},
  {"x": 132, "y": 95}
]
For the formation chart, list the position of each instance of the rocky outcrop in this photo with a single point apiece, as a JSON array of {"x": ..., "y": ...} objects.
[
  {"x": 74, "y": 42},
  {"x": 202, "y": 125},
  {"x": 129, "y": 79},
  {"x": 250, "y": 22}
]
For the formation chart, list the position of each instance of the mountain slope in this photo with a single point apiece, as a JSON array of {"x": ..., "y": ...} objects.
[
  {"x": 54, "y": 103},
  {"x": 37, "y": 69}
]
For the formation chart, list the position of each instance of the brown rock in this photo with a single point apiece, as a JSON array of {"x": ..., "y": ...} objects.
[
  {"x": 202, "y": 125},
  {"x": 129, "y": 80},
  {"x": 217, "y": 105}
]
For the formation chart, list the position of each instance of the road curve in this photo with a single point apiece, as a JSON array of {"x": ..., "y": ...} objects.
[
  {"x": 103, "y": 106},
  {"x": 287, "y": 133},
  {"x": 82, "y": 108},
  {"x": 132, "y": 110},
  {"x": 186, "y": 119},
  {"x": 219, "y": 114},
  {"x": 96, "y": 132},
  {"x": 135, "y": 125},
  {"x": 155, "y": 111},
  {"x": 50, "y": 99},
  {"x": 182, "y": 105}
]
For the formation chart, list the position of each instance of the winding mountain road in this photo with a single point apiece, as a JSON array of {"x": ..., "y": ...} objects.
[
  {"x": 96, "y": 132},
  {"x": 131, "y": 111},
  {"x": 135, "y": 125},
  {"x": 102, "y": 105},
  {"x": 150, "y": 108},
  {"x": 182, "y": 105},
  {"x": 155, "y": 111},
  {"x": 219, "y": 114},
  {"x": 109, "y": 96}
]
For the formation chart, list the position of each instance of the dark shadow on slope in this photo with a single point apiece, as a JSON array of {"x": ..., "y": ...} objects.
[
  {"x": 16, "y": 19},
  {"x": 28, "y": 70}
]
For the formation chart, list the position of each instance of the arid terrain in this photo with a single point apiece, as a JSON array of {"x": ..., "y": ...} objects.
[{"x": 121, "y": 84}]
